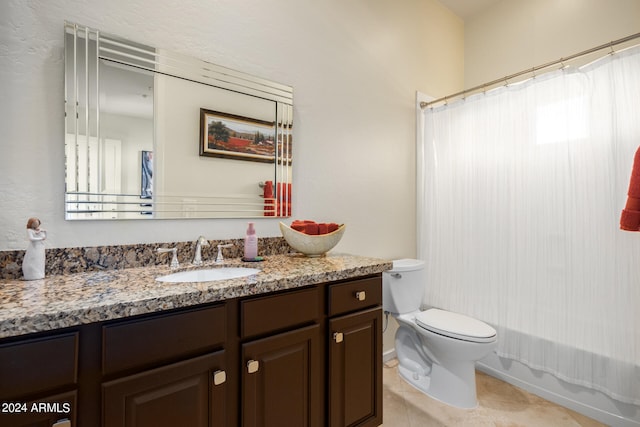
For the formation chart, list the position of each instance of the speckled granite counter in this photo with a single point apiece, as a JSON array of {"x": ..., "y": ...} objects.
[{"x": 75, "y": 299}]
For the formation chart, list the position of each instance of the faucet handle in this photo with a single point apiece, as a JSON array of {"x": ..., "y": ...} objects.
[
  {"x": 220, "y": 258},
  {"x": 174, "y": 259}
]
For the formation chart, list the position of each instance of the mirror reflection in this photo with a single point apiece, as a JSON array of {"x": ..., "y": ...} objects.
[{"x": 154, "y": 134}]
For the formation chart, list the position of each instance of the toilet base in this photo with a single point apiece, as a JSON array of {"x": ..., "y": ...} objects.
[
  {"x": 441, "y": 367},
  {"x": 455, "y": 386}
]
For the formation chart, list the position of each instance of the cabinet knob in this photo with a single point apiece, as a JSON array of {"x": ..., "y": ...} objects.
[
  {"x": 219, "y": 377},
  {"x": 361, "y": 295},
  {"x": 62, "y": 423},
  {"x": 338, "y": 337},
  {"x": 253, "y": 366}
]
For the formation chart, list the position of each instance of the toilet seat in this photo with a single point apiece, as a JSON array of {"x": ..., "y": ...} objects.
[{"x": 455, "y": 325}]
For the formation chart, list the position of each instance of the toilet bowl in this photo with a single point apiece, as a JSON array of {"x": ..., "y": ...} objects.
[{"x": 436, "y": 349}]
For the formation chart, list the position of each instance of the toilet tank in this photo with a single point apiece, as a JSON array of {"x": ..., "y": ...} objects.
[{"x": 403, "y": 286}]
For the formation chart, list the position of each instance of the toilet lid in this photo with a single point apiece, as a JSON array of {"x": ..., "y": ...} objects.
[{"x": 455, "y": 325}]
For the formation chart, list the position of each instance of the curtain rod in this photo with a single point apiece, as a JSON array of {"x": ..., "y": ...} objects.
[{"x": 532, "y": 70}]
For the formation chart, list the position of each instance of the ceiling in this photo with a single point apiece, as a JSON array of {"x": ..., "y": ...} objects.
[{"x": 466, "y": 9}]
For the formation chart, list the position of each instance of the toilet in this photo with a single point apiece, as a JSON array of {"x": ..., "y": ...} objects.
[{"x": 436, "y": 349}]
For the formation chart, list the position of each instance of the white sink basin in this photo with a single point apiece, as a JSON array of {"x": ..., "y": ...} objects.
[{"x": 208, "y": 275}]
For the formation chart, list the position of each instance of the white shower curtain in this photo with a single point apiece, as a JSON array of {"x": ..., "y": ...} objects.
[{"x": 519, "y": 219}]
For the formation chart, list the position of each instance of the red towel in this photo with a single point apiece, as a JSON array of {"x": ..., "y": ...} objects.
[
  {"x": 311, "y": 229},
  {"x": 284, "y": 192},
  {"x": 268, "y": 190},
  {"x": 280, "y": 203},
  {"x": 269, "y": 203},
  {"x": 630, "y": 218}
]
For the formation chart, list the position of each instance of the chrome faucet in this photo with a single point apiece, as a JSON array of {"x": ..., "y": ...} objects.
[
  {"x": 197, "y": 258},
  {"x": 174, "y": 258},
  {"x": 220, "y": 258}
]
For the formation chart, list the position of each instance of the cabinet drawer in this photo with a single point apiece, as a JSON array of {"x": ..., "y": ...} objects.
[
  {"x": 145, "y": 342},
  {"x": 35, "y": 365},
  {"x": 279, "y": 312},
  {"x": 355, "y": 295}
]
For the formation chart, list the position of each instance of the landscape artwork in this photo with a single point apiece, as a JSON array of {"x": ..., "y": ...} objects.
[{"x": 236, "y": 137}]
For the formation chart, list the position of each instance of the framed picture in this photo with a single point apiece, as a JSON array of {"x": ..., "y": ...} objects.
[
  {"x": 236, "y": 137},
  {"x": 146, "y": 176}
]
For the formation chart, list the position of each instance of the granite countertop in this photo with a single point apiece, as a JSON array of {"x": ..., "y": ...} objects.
[{"x": 69, "y": 300}]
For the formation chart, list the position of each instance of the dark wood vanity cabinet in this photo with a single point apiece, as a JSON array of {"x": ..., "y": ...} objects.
[
  {"x": 281, "y": 359},
  {"x": 310, "y": 356},
  {"x": 355, "y": 353}
]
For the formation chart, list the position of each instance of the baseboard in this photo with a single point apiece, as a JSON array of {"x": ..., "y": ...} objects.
[{"x": 388, "y": 355}]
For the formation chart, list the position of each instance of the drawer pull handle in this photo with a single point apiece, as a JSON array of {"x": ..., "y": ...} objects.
[
  {"x": 253, "y": 366},
  {"x": 338, "y": 337},
  {"x": 361, "y": 295},
  {"x": 219, "y": 377}
]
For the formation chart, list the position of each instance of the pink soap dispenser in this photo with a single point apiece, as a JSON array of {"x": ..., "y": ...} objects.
[{"x": 250, "y": 243}]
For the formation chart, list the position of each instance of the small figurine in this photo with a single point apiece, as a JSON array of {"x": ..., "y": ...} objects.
[{"x": 34, "y": 258}]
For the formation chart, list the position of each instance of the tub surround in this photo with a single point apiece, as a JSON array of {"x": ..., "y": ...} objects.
[{"x": 66, "y": 300}]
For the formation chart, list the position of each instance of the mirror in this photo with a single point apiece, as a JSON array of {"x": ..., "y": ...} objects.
[{"x": 154, "y": 134}]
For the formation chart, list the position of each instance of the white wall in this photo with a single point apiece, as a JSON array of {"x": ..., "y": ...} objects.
[
  {"x": 354, "y": 66},
  {"x": 515, "y": 35}
]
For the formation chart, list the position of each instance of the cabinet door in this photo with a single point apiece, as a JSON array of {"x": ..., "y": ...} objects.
[
  {"x": 281, "y": 380},
  {"x": 355, "y": 369},
  {"x": 189, "y": 393}
]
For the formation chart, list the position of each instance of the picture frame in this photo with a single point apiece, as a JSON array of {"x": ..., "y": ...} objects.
[{"x": 236, "y": 137}]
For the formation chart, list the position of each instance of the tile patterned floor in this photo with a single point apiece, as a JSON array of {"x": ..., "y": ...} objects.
[{"x": 500, "y": 405}]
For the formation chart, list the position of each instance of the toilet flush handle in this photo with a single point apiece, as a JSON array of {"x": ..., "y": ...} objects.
[{"x": 396, "y": 275}]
